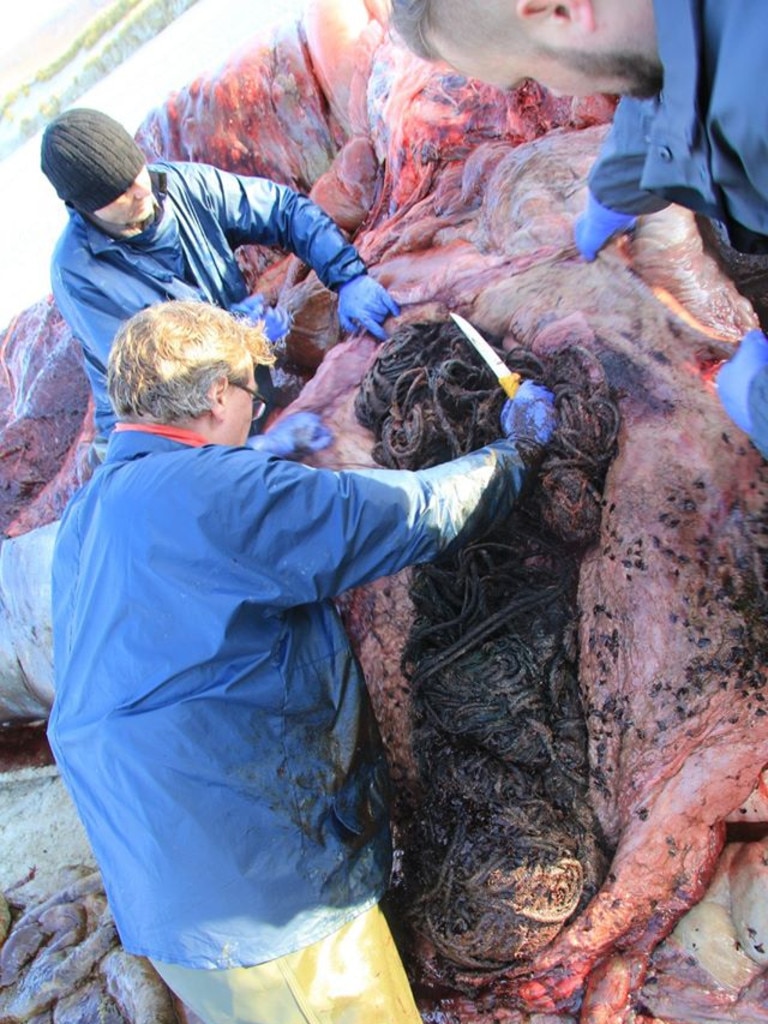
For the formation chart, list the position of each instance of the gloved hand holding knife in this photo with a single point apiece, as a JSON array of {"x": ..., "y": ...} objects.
[{"x": 528, "y": 416}]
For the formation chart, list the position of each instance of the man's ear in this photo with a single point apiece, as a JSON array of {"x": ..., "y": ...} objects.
[
  {"x": 578, "y": 14},
  {"x": 217, "y": 395}
]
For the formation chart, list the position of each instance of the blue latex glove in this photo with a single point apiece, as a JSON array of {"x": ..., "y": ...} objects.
[
  {"x": 363, "y": 302},
  {"x": 597, "y": 225},
  {"x": 293, "y": 436},
  {"x": 735, "y": 377},
  {"x": 277, "y": 321},
  {"x": 529, "y": 418}
]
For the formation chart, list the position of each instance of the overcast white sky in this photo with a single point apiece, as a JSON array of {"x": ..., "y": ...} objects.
[{"x": 199, "y": 40}]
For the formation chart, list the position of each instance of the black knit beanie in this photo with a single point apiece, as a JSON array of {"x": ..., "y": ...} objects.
[{"x": 89, "y": 158}]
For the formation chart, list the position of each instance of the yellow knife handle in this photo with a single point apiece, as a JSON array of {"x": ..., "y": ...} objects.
[{"x": 511, "y": 382}]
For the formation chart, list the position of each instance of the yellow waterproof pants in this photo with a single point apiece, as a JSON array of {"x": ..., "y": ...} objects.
[{"x": 354, "y": 976}]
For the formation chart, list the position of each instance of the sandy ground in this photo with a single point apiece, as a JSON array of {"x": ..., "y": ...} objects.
[{"x": 42, "y": 838}]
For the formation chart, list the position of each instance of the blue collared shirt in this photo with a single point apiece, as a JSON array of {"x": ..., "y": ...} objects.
[{"x": 702, "y": 143}]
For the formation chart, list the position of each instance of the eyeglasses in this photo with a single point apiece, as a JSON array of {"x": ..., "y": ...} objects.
[{"x": 259, "y": 405}]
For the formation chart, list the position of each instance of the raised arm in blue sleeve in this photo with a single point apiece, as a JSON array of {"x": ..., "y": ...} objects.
[
  {"x": 258, "y": 210},
  {"x": 329, "y": 531}
]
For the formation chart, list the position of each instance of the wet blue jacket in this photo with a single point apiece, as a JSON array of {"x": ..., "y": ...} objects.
[
  {"x": 211, "y": 722},
  {"x": 702, "y": 142},
  {"x": 99, "y": 282}
]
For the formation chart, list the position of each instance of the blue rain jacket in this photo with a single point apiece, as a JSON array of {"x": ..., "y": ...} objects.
[
  {"x": 702, "y": 142},
  {"x": 210, "y": 720},
  {"x": 98, "y": 282}
]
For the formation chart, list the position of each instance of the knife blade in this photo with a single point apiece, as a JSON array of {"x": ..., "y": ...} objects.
[{"x": 509, "y": 380}]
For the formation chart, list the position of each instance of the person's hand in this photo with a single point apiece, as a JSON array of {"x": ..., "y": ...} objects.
[
  {"x": 295, "y": 435},
  {"x": 735, "y": 377},
  {"x": 529, "y": 418},
  {"x": 277, "y": 321},
  {"x": 597, "y": 225},
  {"x": 363, "y": 302}
]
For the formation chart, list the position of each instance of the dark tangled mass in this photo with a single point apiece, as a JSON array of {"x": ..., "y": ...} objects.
[{"x": 503, "y": 847}]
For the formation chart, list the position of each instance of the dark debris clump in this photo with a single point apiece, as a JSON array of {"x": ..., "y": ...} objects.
[{"x": 503, "y": 849}]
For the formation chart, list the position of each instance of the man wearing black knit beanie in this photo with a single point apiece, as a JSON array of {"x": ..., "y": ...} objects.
[
  {"x": 140, "y": 234},
  {"x": 89, "y": 159}
]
